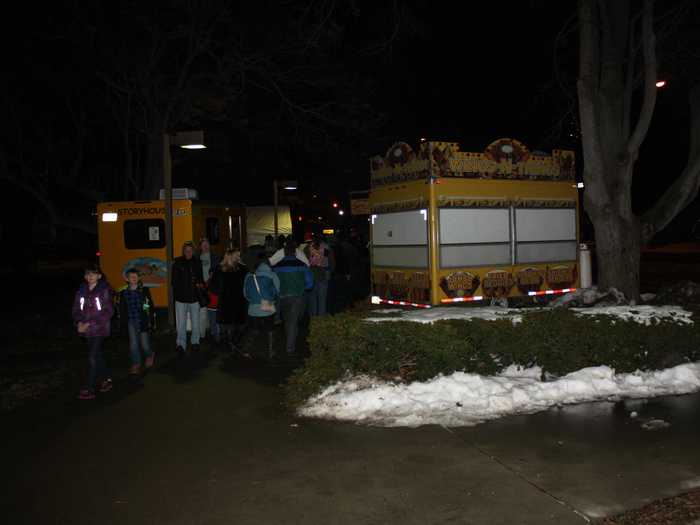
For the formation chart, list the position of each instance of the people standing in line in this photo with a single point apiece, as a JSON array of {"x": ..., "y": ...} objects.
[
  {"x": 295, "y": 278},
  {"x": 137, "y": 318},
  {"x": 321, "y": 261},
  {"x": 227, "y": 284},
  {"x": 92, "y": 313},
  {"x": 261, "y": 290},
  {"x": 187, "y": 280},
  {"x": 210, "y": 261}
]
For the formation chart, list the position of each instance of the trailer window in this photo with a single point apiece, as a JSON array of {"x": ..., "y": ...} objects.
[
  {"x": 545, "y": 235},
  {"x": 140, "y": 234},
  {"x": 474, "y": 237},
  {"x": 212, "y": 227},
  {"x": 400, "y": 239}
]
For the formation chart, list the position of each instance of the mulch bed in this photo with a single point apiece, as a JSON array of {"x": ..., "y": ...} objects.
[{"x": 678, "y": 510}]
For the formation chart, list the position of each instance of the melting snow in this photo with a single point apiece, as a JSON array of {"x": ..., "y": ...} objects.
[
  {"x": 463, "y": 399},
  {"x": 643, "y": 314}
]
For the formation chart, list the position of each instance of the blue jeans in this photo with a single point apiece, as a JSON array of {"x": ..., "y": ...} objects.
[
  {"x": 318, "y": 297},
  {"x": 138, "y": 341},
  {"x": 181, "y": 311},
  {"x": 96, "y": 360}
]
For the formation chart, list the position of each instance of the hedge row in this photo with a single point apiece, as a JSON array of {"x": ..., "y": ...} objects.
[{"x": 556, "y": 340}]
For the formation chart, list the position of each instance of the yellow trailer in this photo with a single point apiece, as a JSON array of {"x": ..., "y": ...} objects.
[
  {"x": 449, "y": 226},
  {"x": 131, "y": 234}
]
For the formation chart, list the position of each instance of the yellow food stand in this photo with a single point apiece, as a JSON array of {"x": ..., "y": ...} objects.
[{"x": 449, "y": 226}]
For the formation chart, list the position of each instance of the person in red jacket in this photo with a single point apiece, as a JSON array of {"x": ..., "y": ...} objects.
[{"x": 92, "y": 313}]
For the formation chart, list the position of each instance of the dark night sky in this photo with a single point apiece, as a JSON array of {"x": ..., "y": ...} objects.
[{"x": 470, "y": 74}]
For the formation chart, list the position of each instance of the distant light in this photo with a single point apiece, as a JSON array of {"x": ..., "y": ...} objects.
[
  {"x": 320, "y": 218},
  {"x": 341, "y": 212},
  {"x": 423, "y": 139},
  {"x": 579, "y": 184},
  {"x": 376, "y": 300},
  {"x": 193, "y": 146},
  {"x": 291, "y": 187},
  {"x": 328, "y": 231},
  {"x": 335, "y": 204},
  {"x": 301, "y": 218},
  {"x": 660, "y": 83},
  {"x": 109, "y": 217},
  {"x": 98, "y": 254}
]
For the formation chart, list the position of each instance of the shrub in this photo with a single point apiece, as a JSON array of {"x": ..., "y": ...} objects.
[{"x": 556, "y": 340}]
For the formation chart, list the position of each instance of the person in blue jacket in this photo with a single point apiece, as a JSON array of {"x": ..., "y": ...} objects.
[
  {"x": 295, "y": 279},
  {"x": 261, "y": 289}
]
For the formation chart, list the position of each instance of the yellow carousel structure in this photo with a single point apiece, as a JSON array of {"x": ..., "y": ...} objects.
[{"x": 450, "y": 226}]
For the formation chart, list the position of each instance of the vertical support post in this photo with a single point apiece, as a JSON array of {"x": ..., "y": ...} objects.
[
  {"x": 168, "y": 183},
  {"x": 274, "y": 188},
  {"x": 433, "y": 241}
]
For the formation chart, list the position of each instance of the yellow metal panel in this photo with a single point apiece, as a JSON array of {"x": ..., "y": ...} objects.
[{"x": 115, "y": 258}]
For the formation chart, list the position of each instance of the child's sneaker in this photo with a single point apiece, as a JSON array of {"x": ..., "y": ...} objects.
[
  {"x": 148, "y": 363},
  {"x": 86, "y": 394},
  {"x": 106, "y": 386}
]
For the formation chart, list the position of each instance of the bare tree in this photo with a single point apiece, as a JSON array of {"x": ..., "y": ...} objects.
[{"x": 617, "y": 95}]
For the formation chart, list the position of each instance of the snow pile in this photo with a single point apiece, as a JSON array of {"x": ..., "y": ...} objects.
[
  {"x": 463, "y": 399},
  {"x": 644, "y": 314},
  {"x": 431, "y": 315}
]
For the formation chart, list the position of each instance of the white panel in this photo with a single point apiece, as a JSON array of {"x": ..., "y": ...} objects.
[
  {"x": 546, "y": 252},
  {"x": 474, "y": 225},
  {"x": 260, "y": 221},
  {"x": 474, "y": 255},
  {"x": 400, "y": 256},
  {"x": 405, "y": 227},
  {"x": 545, "y": 224}
]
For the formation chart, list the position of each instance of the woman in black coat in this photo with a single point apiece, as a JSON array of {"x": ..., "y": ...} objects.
[{"x": 227, "y": 283}]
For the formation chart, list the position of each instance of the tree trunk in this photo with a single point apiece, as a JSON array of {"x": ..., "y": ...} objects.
[{"x": 618, "y": 245}]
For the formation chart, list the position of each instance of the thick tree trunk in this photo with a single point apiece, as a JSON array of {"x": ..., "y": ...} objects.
[{"x": 618, "y": 245}]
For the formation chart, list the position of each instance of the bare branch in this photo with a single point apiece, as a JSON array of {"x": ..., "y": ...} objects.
[
  {"x": 685, "y": 189},
  {"x": 650, "y": 77}
]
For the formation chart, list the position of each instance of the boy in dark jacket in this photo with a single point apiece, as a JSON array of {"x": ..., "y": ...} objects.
[
  {"x": 92, "y": 313},
  {"x": 137, "y": 317}
]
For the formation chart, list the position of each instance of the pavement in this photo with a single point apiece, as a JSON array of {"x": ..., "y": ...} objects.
[{"x": 213, "y": 444}]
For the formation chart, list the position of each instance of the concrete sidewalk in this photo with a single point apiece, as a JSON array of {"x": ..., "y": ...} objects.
[{"x": 217, "y": 448}]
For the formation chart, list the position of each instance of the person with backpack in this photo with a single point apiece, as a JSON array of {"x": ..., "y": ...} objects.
[
  {"x": 261, "y": 289},
  {"x": 137, "y": 318},
  {"x": 295, "y": 279},
  {"x": 92, "y": 313}
]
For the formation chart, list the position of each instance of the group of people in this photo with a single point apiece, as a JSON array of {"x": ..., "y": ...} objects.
[{"x": 236, "y": 299}]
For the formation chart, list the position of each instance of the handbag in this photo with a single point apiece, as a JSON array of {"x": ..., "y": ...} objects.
[{"x": 265, "y": 304}]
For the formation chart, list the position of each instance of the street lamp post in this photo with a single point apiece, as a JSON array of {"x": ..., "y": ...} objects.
[
  {"x": 186, "y": 140},
  {"x": 290, "y": 185}
]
